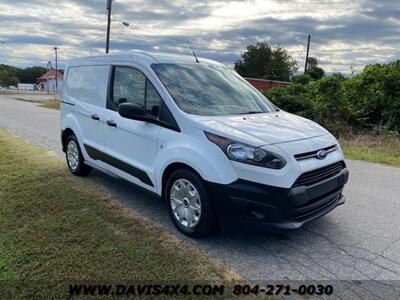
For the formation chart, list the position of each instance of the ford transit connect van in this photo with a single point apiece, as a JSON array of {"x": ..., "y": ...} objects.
[{"x": 202, "y": 138}]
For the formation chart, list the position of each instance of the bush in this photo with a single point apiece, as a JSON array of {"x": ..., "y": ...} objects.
[
  {"x": 375, "y": 96},
  {"x": 295, "y": 98},
  {"x": 302, "y": 79},
  {"x": 367, "y": 101}
]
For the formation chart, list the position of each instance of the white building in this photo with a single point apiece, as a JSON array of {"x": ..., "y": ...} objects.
[
  {"x": 26, "y": 86},
  {"x": 47, "y": 82}
]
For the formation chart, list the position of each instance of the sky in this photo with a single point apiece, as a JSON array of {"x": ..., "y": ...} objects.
[{"x": 345, "y": 35}]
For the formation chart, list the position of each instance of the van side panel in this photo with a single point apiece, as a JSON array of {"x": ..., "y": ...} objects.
[{"x": 84, "y": 104}]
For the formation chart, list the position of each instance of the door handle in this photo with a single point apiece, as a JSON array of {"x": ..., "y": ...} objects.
[
  {"x": 111, "y": 123},
  {"x": 95, "y": 117}
]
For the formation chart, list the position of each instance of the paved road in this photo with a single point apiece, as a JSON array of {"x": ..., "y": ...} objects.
[{"x": 357, "y": 241}]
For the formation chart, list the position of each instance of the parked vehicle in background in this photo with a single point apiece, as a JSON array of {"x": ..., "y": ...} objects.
[{"x": 201, "y": 137}]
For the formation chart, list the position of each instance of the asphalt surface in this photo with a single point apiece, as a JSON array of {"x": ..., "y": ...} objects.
[{"x": 357, "y": 241}]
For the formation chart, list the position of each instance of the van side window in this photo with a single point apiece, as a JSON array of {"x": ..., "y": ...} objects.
[
  {"x": 88, "y": 84},
  {"x": 129, "y": 86}
]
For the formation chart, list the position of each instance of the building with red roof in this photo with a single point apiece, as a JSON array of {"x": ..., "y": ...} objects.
[{"x": 47, "y": 81}]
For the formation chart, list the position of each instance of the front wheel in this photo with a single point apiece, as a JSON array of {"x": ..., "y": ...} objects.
[
  {"x": 74, "y": 157},
  {"x": 189, "y": 206}
]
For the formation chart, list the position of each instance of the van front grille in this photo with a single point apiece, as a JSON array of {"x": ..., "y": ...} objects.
[
  {"x": 315, "y": 176},
  {"x": 313, "y": 154}
]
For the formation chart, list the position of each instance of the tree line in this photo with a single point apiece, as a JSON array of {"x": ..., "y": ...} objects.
[{"x": 11, "y": 76}]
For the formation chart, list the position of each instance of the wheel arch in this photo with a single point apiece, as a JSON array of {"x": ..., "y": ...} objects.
[
  {"x": 170, "y": 169},
  {"x": 70, "y": 125},
  {"x": 206, "y": 161},
  {"x": 64, "y": 135}
]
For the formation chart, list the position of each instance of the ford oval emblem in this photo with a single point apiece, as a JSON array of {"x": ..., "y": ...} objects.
[{"x": 321, "y": 154}]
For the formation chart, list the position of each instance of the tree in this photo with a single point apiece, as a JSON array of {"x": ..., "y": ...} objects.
[
  {"x": 261, "y": 61},
  {"x": 8, "y": 76},
  {"x": 282, "y": 65},
  {"x": 7, "y": 79},
  {"x": 12, "y": 75},
  {"x": 313, "y": 70},
  {"x": 29, "y": 75},
  {"x": 255, "y": 61}
]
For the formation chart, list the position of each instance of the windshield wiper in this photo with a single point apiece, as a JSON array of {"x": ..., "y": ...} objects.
[{"x": 252, "y": 112}]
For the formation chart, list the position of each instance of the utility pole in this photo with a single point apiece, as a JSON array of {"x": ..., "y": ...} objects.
[
  {"x": 308, "y": 50},
  {"x": 49, "y": 67},
  {"x": 109, "y": 4},
  {"x": 55, "y": 49}
]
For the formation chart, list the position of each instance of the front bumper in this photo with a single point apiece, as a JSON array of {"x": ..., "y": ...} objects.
[{"x": 245, "y": 203}]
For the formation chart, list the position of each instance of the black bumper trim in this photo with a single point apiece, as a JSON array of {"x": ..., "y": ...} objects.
[{"x": 245, "y": 203}]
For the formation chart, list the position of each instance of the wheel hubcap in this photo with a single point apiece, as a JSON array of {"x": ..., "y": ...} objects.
[
  {"x": 185, "y": 203},
  {"x": 72, "y": 155}
]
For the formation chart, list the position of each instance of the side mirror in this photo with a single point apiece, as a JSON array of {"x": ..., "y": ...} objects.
[{"x": 132, "y": 111}]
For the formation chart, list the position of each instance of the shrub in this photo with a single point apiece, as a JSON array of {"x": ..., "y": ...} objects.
[
  {"x": 367, "y": 101},
  {"x": 375, "y": 96},
  {"x": 295, "y": 98}
]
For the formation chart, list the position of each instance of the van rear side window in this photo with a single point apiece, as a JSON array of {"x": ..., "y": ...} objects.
[{"x": 88, "y": 84}]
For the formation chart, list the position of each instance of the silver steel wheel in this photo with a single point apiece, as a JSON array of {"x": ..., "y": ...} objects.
[
  {"x": 185, "y": 203},
  {"x": 72, "y": 155}
]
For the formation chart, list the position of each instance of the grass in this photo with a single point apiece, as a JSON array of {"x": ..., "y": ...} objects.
[
  {"x": 372, "y": 148},
  {"x": 53, "y": 104},
  {"x": 57, "y": 229}
]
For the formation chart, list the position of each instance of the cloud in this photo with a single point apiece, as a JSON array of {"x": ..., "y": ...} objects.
[
  {"x": 344, "y": 33},
  {"x": 29, "y": 39}
]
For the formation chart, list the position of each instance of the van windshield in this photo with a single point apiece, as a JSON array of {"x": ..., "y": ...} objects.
[{"x": 210, "y": 90}]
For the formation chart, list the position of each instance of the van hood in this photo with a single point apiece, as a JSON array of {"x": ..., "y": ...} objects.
[{"x": 261, "y": 129}]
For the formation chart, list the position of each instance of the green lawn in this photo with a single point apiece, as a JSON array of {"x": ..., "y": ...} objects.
[
  {"x": 56, "y": 230},
  {"x": 379, "y": 149},
  {"x": 53, "y": 104}
]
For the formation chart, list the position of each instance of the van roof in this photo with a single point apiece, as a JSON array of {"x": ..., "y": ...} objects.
[{"x": 142, "y": 56}]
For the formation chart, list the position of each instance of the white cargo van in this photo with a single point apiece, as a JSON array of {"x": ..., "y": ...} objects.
[{"x": 202, "y": 138}]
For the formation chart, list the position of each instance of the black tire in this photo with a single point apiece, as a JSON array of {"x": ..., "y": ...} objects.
[
  {"x": 81, "y": 168},
  {"x": 207, "y": 223}
]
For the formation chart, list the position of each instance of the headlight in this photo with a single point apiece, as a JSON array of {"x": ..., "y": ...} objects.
[{"x": 247, "y": 154}]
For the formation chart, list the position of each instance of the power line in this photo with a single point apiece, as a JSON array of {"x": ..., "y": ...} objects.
[{"x": 69, "y": 48}]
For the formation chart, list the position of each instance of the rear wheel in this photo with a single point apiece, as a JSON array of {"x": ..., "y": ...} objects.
[
  {"x": 74, "y": 157},
  {"x": 189, "y": 206}
]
